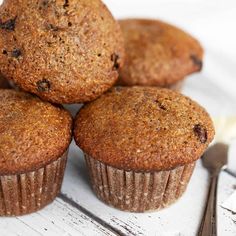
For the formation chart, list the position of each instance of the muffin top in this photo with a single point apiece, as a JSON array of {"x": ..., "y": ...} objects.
[
  {"x": 63, "y": 51},
  {"x": 158, "y": 54},
  {"x": 143, "y": 129},
  {"x": 3, "y": 83},
  {"x": 33, "y": 133}
]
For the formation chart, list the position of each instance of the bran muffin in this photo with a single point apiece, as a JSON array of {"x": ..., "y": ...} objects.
[
  {"x": 158, "y": 54},
  {"x": 63, "y": 51},
  {"x": 141, "y": 145},
  {"x": 34, "y": 139}
]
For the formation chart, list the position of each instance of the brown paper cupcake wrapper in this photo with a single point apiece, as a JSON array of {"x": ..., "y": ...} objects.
[
  {"x": 137, "y": 191},
  {"x": 29, "y": 192}
]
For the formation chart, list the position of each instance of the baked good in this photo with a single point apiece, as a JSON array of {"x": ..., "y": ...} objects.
[
  {"x": 157, "y": 54},
  {"x": 141, "y": 145},
  {"x": 63, "y": 51},
  {"x": 34, "y": 139}
]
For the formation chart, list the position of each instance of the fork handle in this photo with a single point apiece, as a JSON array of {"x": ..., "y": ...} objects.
[{"x": 209, "y": 222}]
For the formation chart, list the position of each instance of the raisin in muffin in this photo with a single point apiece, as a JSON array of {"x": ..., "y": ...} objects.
[
  {"x": 141, "y": 145},
  {"x": 4, "y": 83},
  {"x": 158, "y": 54},
  {"x": 63, "y": 51},
  {"x": 34, "y": 139}
]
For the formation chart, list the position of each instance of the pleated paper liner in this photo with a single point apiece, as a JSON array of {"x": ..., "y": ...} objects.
[
  {"x": 136, "y": 191},
  {"x": 29, "y": 192}
]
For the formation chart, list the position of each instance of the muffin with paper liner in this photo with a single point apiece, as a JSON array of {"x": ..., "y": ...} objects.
[
  {"x": 34, "y": 141},
  {"x": 141, "y": 145}
]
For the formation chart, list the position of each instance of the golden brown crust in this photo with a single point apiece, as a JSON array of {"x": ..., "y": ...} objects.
[
  {"x": 63, "y": 52},
  {"x": 143, "y": 129},
  {"x": 33, "y": 133},
  {"x": 157, "y": 53}
]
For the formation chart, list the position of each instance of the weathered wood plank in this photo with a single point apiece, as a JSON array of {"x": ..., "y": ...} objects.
[{"x": 59, "y": 218}]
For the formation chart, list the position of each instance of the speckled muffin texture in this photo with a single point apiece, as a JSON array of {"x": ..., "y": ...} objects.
[
  {"x": 63, "y": 51},
  {"x": 157, "y": 53},
  {"x": 141, "y": 145},
  {"x": 34, "y": 139}
]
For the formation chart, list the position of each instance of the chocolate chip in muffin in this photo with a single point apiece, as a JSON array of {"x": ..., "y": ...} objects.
[
  {"x": 16, "y": 53},
  {"x": 196, "y": 61},
  {"x": 43, "y": 4},
  {"x": 115, "y": 57},
  {"x": 52, "y": 27},
  {"x": 43, "y": 85},
  {"x": 66, "y": 4},
  {"x": 4, "y": 51},
  {"x": 118, "y": 88},
  {"x": 200, "y": 132},
  {"x": 8, "y": 25},
  {"x": 160, "y": 105}
]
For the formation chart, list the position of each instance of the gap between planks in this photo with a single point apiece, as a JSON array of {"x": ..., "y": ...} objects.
[{"x": 100, "y": 221}]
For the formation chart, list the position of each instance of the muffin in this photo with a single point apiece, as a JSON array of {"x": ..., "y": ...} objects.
[
  {"x": 141, "y": 145},
  {"x": 34, "y": 140},
  {"x": 158, "y": 54},
  {"x": 3, "y": 83},
  {"x": 62, "y": 51}
]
